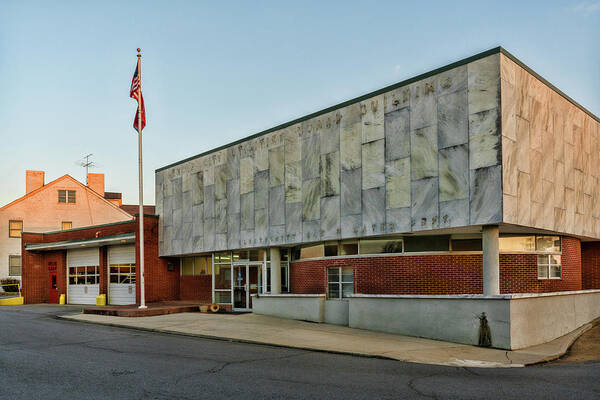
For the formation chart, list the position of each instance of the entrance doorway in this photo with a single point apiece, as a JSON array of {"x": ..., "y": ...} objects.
[
  {"x": 53, "y": 288},
  {"x": 247, "y": 280}
]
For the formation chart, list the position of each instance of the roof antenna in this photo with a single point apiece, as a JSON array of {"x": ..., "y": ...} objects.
[{"x": 85, "y": 162}]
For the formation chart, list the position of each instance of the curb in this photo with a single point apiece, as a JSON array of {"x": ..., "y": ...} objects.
[
  {"x": 583, "y": 329},
  {"x": 234, "y": 340}
]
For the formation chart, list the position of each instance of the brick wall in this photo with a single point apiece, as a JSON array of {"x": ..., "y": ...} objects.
[
  {"x": 161, "y": 284},
  {"x": 518, "y": 272},
  {"x": 590, "y": 252},
  {"x": 197, "y": 287},
  {"x": 441, "y": 274}
]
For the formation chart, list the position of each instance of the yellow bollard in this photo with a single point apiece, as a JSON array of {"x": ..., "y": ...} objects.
[
  {"x": 101, "y": 300},
  {"x": 61, "y": 299}
]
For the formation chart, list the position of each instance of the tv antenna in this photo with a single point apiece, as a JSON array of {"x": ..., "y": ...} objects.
[{"x": 85, "y": 162}]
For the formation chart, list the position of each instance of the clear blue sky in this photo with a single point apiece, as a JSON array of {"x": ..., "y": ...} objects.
[{"x": 214, "y": 72}]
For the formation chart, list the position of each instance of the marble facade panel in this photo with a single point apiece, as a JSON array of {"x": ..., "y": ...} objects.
[
  {"x": 373, "y": 210},
  {"x": 276, "y": 169},
  {"x": 424, "y": 154},
  {"x": 397, "y": 183},
  {"x": 454, "y": 173},
  {"x": 398, "y": 220},
  {"x": 330, "y": 217},
  {"x": 454, "y": 213},
  {"x": 453, "y": 120},
  {"x": 310, "y": 199},
  {"x": 372, "y": 112},
  {"x": 484, "y": 84},
  {"x": 397, "y": 134},
  {"x": 293, "y": 182},
  {"x": 350, "y": 192},
  {"x": 373, "y": 164},
  {"x": 424, "y": 203},
  {"x": 330, "y": 174},
  {"x": 486, "y": 195},
  {"x": 276, "y": 206},
  {"x": 484, "y": 139}
]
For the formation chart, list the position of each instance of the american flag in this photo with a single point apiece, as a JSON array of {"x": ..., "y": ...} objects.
[{"x": 136, "y": 93}]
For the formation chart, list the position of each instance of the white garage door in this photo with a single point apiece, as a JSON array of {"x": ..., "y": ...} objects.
[
  {"x": 122, "y": 274},
  {"x": 84, "y": 276}
]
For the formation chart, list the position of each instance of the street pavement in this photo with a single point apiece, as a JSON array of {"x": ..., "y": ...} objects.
[{"x": 42, "y": 357}]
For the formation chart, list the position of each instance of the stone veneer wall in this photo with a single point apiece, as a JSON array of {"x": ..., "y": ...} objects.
[
  {"x": 422, "y": 156},
  {"x": 550, "y": 157}
]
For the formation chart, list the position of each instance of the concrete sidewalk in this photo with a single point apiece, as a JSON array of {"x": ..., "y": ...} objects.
[{"x": 252, "y": 328}]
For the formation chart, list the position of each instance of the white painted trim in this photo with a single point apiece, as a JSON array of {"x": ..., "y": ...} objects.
[
  {"x": 290, "y": 295},
  {"x": 472, "y": 296}
]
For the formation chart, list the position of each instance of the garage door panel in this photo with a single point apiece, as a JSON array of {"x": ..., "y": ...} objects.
[
  {"x": 121, "y": 255},
  {"x": 83, "y": 257},
  {"x": 120, "y": 294},
  {"x": 76, "y": 294}
]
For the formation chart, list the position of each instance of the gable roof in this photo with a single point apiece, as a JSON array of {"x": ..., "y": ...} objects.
[{"x": 62, "y": 179}]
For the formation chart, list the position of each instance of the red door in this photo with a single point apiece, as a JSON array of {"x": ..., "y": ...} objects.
[{"x": 53, "y": 289}]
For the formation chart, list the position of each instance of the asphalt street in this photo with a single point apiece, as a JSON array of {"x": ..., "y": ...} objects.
[{"x": 42, "y": 357}]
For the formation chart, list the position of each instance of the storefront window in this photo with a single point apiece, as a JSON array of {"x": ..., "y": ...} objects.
[
  {"x": 201, "y": 265},
  {"x": 348, "y": 248},
  {"x": 222, "y": 276}
]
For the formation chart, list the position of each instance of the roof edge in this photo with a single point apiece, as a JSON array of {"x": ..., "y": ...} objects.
[
  {"x": 82, "y": 228},
  {"x": 495, "y": 50},
  {"x": 545, "y": 82},
  {"x": 405, "y": 82}
]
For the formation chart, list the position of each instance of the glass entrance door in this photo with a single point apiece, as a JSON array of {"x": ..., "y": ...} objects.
[
  {"x": 247, "y": 278},
  {"x": 240, "y": 286}
]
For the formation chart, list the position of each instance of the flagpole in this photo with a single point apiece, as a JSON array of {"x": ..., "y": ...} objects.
[{"x": 141, "y": 209}]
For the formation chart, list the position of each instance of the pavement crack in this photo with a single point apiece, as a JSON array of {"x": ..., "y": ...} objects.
[
  {"x": 411, "y": 386},
  {"x": 507, "y": 357},
  {"x": 469, "y": 370}
]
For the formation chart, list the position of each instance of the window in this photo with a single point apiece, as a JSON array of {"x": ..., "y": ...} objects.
[
  {"x": 426, "y": 243},
  {"x": 14, "y": 265},
  {"x": 66, "y": 196},
  {"x": 312, "y": 251},
  {"x": 15, "y": 228},
  {"x": 66, "y": 225},
  {"x": 544, "y": 244},
  {"x": 340, "y": 282},
  {"x": 122, "y": 273},
  {"x": 466, "y": 245},
  {"x": 549, "y": 266},
  {"x": 84, "y": 275},
  {"x": 196, "y": 265},
  {"x": 517, "y": 243},
  {"x": 377, "y": 246}
]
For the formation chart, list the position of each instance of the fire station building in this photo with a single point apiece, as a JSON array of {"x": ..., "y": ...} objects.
[{"x": 464, "y": 193}]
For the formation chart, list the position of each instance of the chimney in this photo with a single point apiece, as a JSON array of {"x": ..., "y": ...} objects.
[
  {"x": 96, "y": 183},
  {"x": 33, "y": 180}
]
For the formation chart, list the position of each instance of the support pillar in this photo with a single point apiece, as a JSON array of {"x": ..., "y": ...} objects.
[
  {"x": 491, "y": 260},
  {"x": 275, "y": 270}
]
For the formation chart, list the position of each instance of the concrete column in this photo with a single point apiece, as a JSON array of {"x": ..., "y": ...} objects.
[
  {"x": 491, "y": 260},
  {"x": 275, "y": 270}
]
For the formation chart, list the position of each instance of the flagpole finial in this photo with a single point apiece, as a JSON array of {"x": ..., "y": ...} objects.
[{"x": 139, "y": 50}]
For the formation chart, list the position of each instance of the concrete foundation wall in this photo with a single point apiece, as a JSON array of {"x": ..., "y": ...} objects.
[
  {"x": 337, "y": 312},
  {"x": 300, "y": 307},
  {"x": 449, "y": 318},
  {"x": 539, "y": 319}
]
